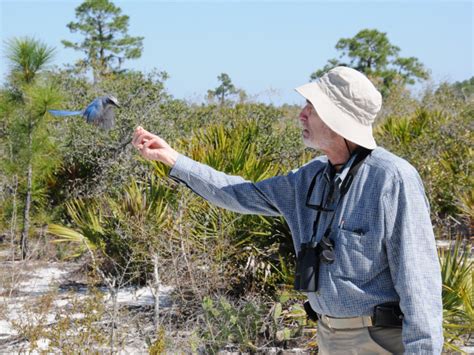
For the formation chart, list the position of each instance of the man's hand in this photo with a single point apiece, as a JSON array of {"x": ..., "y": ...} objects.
[{"x": 153, "y": 147}]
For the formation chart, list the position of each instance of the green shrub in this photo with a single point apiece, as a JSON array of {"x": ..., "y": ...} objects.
[
  {"x": 227, "y": 324},
  {"x": 440, "y": 147},
  {"x": 458, "y": 294}
]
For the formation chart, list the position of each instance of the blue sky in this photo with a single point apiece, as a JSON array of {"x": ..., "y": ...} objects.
[{"x": 267, "y": 47}]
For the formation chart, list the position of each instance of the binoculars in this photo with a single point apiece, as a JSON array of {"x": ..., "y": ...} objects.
[{"x": 308, "y": 261}]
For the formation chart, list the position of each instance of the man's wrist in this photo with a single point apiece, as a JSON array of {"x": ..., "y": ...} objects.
[{"x": 170, "y": 160}]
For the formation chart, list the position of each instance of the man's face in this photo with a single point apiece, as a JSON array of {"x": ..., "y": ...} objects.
[{"x": 316, "y": 134}]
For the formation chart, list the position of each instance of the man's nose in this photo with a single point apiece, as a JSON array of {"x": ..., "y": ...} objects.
[{"x": 303, "y": 114}]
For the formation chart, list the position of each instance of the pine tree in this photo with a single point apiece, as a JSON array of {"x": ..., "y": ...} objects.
[
  {"x": 370, "y": 52},
  {"x": 106, "y": 44},
  {"x": 28, "y": 100},
  {"x": 225, "y": 89}
]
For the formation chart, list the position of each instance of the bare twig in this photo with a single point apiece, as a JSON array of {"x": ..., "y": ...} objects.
[
  {"x": 181, "y": 208},
  {"x": 155, "y": 290}
]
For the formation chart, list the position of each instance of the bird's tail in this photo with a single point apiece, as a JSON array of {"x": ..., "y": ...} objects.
[{"x": 64, "y": 113}]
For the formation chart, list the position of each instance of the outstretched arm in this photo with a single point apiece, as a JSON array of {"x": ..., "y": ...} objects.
[{"x": 270, "y": 197}]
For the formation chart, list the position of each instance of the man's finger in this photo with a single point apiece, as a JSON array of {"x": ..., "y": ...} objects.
[
  {"x": 142, "y": 138},
  {"x": 135, "y": 140},
  {"x": 136, "y": 137},
  {"x": 142, "y": 130},
  {"x": 138, "y": 134},
  {"x": 148, "y": 143}
]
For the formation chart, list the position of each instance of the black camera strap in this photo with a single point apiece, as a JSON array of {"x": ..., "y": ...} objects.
[
  {"x": 313, "y": 253},
  {"x": 355, "y": 162},
  {"x": 346, "y": 184}
]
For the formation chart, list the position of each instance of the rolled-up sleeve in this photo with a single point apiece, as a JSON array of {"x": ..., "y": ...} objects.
[
  {"x": 414, "y": 265},
  {"x": 268, "y": 197}
]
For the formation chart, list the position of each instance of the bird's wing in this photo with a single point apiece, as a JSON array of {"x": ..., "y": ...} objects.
[
  {"x": 107, "y": 120},
  {"x": 64, "y": 113},
  {"x": 93, "y": 111}
]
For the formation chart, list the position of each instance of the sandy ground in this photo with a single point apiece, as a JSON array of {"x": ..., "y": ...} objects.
[{"x": 24, "y": 284}]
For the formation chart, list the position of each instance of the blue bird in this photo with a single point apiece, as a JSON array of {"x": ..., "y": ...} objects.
[{"x": 100, "y": 112}]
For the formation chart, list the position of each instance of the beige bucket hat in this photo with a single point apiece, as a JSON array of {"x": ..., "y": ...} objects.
[{"x": 347, "y": 102}]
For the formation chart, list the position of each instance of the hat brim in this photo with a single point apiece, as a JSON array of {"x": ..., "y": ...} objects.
[{"x": 339, "y": 121}]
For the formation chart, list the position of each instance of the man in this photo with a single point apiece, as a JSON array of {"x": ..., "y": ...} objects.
[{"x": 359, "y": 220}]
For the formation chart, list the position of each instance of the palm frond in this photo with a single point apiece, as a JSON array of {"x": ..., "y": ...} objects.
[
  {"x": 68, "y": 235},
  {"x": 458, "y": 293}
]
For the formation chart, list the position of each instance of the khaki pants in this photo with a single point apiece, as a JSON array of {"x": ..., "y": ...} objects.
[{"x": 371, "y": 340}]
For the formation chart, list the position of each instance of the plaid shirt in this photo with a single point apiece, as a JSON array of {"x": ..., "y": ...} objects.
[{"x": 383, "y": 238}]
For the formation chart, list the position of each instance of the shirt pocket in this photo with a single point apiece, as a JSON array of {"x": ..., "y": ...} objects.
[{"x": 356, "y": 256}]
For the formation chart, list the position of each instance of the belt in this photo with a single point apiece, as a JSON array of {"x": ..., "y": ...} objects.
[
  {"x": 346, "y": 323},
  {"x": 387, "y": 314}
]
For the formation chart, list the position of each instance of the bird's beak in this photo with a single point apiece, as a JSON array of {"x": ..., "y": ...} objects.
[{"x": 117, "y": 104}]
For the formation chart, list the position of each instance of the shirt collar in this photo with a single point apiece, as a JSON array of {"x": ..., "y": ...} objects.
[{"x": 330, "y": 172}]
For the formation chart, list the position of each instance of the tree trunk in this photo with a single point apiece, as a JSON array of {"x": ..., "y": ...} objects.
[
  {"x": 156, "y": 292},
  {"x": 26, "y": 211},
  {"x": 13, "y": 218}
]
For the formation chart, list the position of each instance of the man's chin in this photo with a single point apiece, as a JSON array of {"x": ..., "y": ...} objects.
[{"x": 308, "y": 143}]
